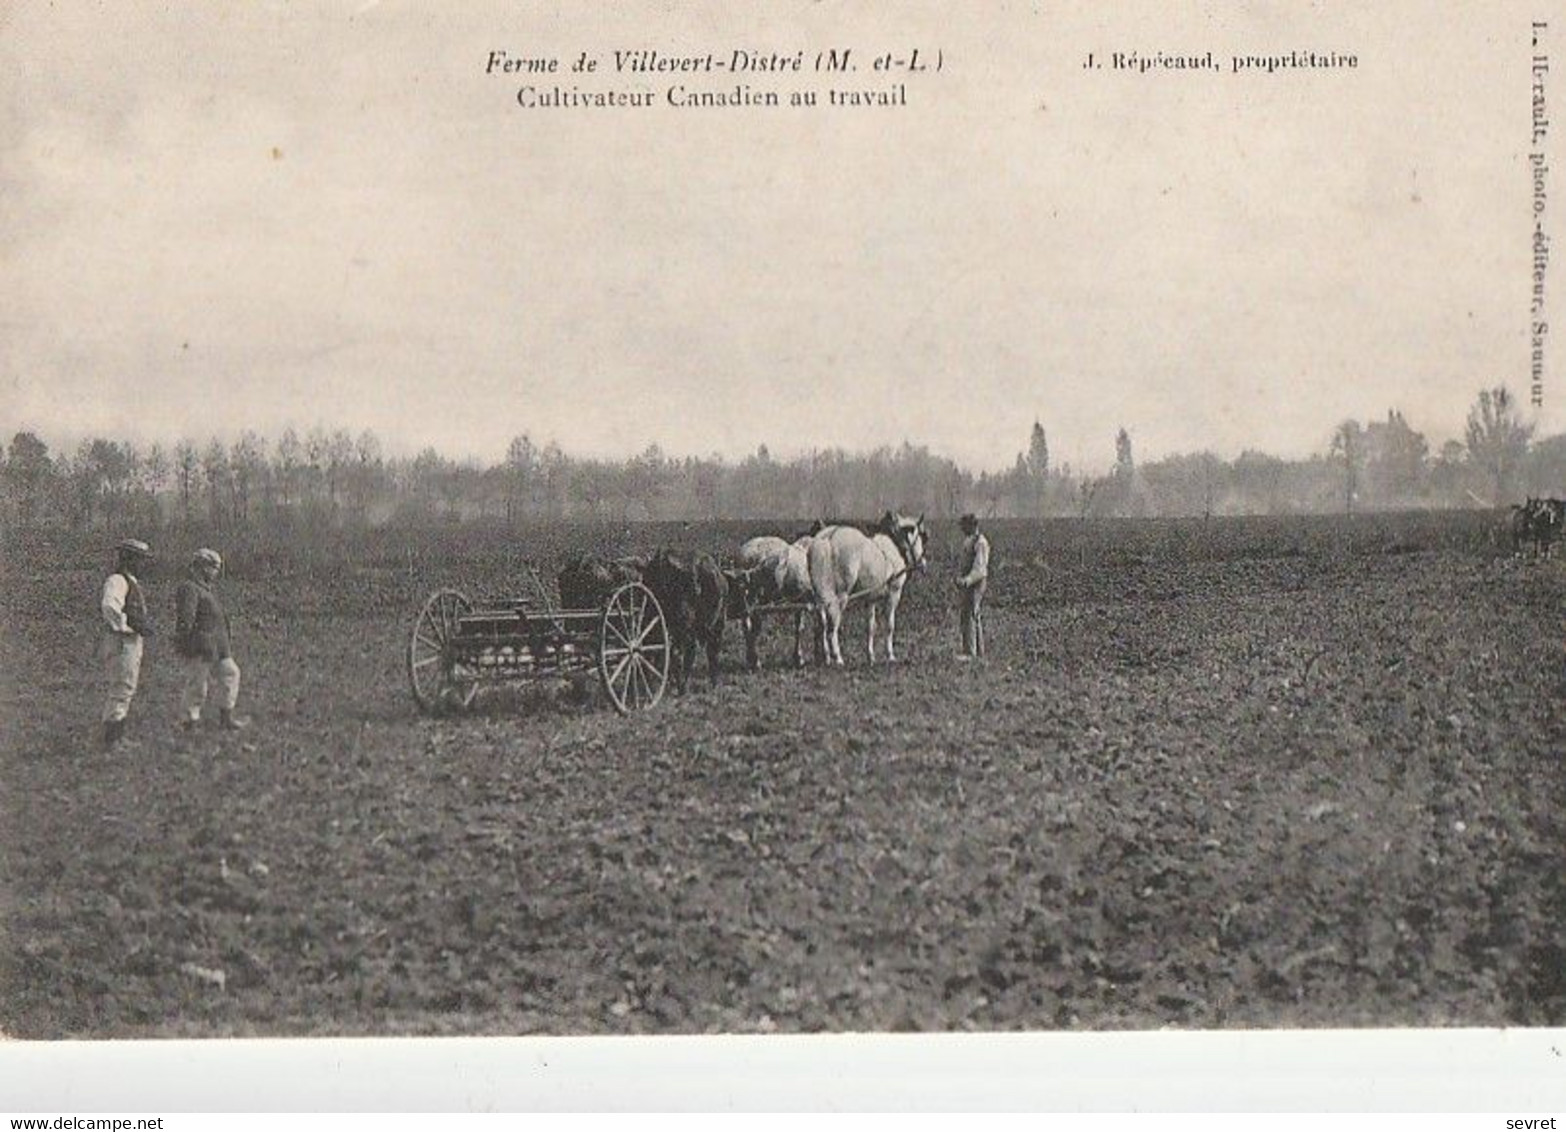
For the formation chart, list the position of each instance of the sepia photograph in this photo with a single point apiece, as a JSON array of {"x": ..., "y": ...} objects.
[{"x": 557, "y": 519}]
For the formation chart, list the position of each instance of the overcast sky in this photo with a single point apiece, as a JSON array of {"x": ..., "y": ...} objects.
[{"x": 277, "y": 214}]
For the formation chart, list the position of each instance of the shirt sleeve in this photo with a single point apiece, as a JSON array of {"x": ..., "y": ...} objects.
[
  {"x": 976, "y": 555},
  {"x": 980, "y": 569},
  {"x": 184, "y": 611},
  {"x": 113, "y": 605}
]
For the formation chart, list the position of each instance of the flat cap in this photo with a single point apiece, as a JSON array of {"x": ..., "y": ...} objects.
[
  {"x": 134, "y": 546},
  {"x": 208, "y": 556}
]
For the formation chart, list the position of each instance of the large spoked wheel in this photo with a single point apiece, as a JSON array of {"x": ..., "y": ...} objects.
[
  {"x": 438, "y": 681},
  {"x": 634, "y": 653}
]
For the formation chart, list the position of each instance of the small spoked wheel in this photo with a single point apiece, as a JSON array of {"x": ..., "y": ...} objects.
[
  {"x": 634, "y": 653},
  {"x": 439, "y": 681}
]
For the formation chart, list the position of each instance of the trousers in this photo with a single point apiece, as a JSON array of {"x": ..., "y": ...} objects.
[
  {"x": 121, "y": 658},
  {"x": 972, "y": 618},
  {"x": 199, "y": 671}
]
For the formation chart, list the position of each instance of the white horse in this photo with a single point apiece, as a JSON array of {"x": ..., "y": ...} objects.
[
  {"x": 847, "y": 565},
  {"x": 779, "y": 571}
]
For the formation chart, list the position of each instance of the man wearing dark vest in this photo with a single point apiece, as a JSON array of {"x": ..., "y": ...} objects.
[
  {"x": 123, "y": 614},
  {"x": 971, "y": 583},
  {"x": 201, "y": 639}
]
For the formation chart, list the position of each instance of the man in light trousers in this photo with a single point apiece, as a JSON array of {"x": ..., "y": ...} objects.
[
  {"x": 971, "y": 583},
  {"x": 202, "y": 641},
  {"x": 122, "y": 610}
]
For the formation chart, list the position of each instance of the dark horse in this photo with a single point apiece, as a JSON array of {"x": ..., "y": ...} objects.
[{"x": 694, "y": 594}]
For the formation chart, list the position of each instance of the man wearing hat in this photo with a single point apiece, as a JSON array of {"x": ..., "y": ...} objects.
[
  {"x": 971, "y": 583},
  {"x": 123, "y": 610},
  {"x": 201, "y": 639}
]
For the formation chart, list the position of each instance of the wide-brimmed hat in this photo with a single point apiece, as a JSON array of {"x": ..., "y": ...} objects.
[
  {"x": 208, "y": 557},
  {"x": 133, "y": 546}
]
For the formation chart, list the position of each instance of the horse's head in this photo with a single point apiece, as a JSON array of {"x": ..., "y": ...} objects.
[
  {"x": 742, "y": 593},
  {"x": 910, "y": 536},
  {"x": 662, "y": 568}
]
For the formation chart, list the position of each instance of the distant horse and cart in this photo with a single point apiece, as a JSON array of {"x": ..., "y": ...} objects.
[{"x": 1537, "y": 523}]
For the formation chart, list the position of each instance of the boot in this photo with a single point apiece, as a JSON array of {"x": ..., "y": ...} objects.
[
  {"x": 227, "y": 722},
  {"x": 189, "y": 724},
  {"x": 113, "y": 730}
]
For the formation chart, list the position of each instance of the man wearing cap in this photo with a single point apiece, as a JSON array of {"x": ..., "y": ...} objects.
[
  {"x": 123, "y": 613},
  {"x": 201, "y": 639},
  {"x": 971, "y": 584}
]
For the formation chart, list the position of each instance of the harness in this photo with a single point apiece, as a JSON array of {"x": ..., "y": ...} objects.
[{"x": 876, "y": 591}]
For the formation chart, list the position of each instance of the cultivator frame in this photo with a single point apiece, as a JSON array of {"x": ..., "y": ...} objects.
[{"x": 457, "y": 648}]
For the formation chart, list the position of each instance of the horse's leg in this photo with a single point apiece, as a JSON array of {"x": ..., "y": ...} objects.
[
  {"x": 891, "y": 626},
  {"x": 714, "y": 647},
  {"x": 799, "y": 645},
  {"x": 834, "y": 638},
  {"x": 685, "y": 662},
  {"x": 752, "y": 628},
  {"x": 871, "y": 640}
]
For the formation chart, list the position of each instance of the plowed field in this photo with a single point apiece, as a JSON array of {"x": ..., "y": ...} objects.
[{"x": 1245, "y": 773}]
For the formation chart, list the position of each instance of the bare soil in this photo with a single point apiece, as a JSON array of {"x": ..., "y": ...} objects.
[{"x": 1265, "y": 773}]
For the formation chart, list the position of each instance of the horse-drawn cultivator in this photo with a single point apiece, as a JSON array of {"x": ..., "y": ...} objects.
[
  {"x": 638, "y": 621},
  {"x": 457, "y": 648}
]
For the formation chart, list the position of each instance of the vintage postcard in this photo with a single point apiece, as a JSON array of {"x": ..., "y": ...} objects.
[{"x": 703, "y": 519}]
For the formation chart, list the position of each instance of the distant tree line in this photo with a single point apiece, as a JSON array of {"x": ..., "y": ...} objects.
[
  {"x": 338, "y": 478},
  {"x": 1379, "y": 465}
]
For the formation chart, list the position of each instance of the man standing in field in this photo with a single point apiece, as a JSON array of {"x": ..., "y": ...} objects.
[
  {"x": 202, "y": 641},
  {"x": 971, "y": 584},
  {"x": 123, "y": 615}
]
